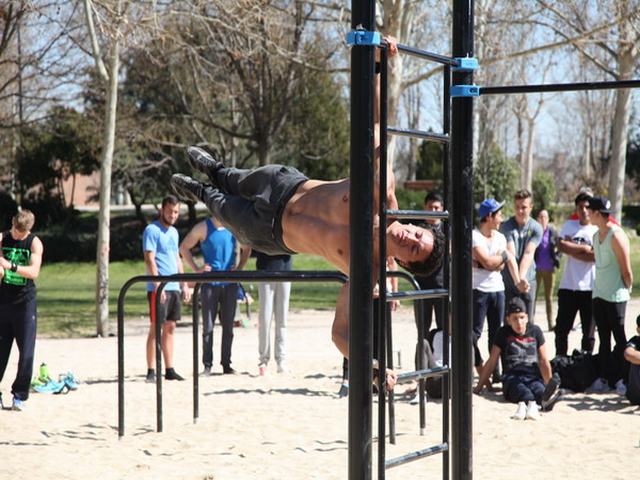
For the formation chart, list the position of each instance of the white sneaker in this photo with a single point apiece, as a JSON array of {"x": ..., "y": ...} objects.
[
  {"x": 282, "y": 368},
  {"x": 532, "y": 411},
  {"x": 600, "y": 385},
  {"x": 621, "y": 388},
  {"x": 415, "y": 400},
  {"x": 521, "y": 412}
]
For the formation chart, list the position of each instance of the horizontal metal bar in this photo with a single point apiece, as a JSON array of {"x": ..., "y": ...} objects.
[
  {"x": 434, "y": 57},
  {"x": 410, "y": 457},
  {"x": 419, "y": 294},
  {"x": 407, "y": 132},
  {"x": 559, "y": 87},
  {"x": 424, "y": 373},
  {"x": 244, "y": 275},
  {"x": 417, "y": 214}
]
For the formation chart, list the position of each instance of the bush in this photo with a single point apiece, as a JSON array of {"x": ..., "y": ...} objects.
[
  {"x": 410, "y": 199},
  {"x": 544, "y": 191},
  {"x": 8, "y": 208}
]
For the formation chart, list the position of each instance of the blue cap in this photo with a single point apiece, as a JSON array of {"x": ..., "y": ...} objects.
[{"x": 489, "y": 206}]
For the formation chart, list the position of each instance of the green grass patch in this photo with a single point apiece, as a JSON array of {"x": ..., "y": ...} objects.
[{"x": 66, "y": 294}]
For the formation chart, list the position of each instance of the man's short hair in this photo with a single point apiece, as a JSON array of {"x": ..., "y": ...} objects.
[
  {"x": 522, "y": 194},
  {"x": 431, "y": 265},
  {"x": 433, "y": 197},
  {"x": 170, "y": 200},
  {"x": 23, "y": 220},
  {"x": 638, "y": 321},
  {"x": 582, "y": 197}
]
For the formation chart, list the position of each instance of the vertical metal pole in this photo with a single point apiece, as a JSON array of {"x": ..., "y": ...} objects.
[
  {"x": 462, "y": 178},
  {"x": 158, "y": 359},
  {"x": 195, "y": 315},
  {"x": 446, "y": 324},
  {"x": 361, "y": 246},
  {"x": 121, "y": 295},
  {"x": 382, "y": 276}
]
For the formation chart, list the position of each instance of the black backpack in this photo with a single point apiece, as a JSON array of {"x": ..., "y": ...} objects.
[{"x": 577, "y": 372}]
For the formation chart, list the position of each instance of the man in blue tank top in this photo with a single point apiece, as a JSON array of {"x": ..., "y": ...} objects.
[
  {"x": 218, "y": 247},
  {"x": 20, "y": 260}
]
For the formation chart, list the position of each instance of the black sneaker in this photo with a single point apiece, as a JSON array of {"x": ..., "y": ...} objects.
[
  {"x": 186, "y": 188},
  {"x": 551, "y": 393},
  {"x": 227, "y": 370},
  {"x": 171, "y": 374},
  {"x": 151, "y": 376},
  {"x": 204, "y": 162}
]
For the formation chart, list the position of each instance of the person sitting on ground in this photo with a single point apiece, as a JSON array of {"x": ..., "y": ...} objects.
[
  {"x": 278, "y": 210},
  {"x": 526, "y": 367},
  {"x": 632, "y": 355}
]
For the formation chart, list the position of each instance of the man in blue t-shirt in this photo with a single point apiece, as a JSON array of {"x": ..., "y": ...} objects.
[
  {"x": 218, "y": 247},
  {"x": 523, "y": 235},
  {"x": 160, "y": 248}
]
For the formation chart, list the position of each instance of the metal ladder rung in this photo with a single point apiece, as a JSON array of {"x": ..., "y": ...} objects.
[
  {"x": 418, "y": 294},
  {"x": 410, "y": 457},
  {"x": 417, "y": 214},
  {"x": 424, "y": 373},
  {"x": 407, "y": 132}
]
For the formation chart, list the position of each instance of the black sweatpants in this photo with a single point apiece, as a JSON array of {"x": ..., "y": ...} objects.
[
  {"x": 609, "y": 318},
  {"x": 223, "y": 298},
  {"x": 570, "y": 302},
  {"x": 19, "y": 322}
]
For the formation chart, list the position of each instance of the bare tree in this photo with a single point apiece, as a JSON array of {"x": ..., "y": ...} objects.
[{"x": 614, "y": 50}]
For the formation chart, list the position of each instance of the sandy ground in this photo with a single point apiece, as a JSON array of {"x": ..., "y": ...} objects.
[{"x": 284, "y": 425}]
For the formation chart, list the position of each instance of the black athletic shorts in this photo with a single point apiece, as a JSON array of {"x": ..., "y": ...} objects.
[{"x": 170, "y": 309}]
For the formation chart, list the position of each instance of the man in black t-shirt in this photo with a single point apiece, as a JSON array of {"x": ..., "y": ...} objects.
[
  {"x": 20, "y": 260},
  {"x": 632, "y": 355},
  {"x": 527, "y": 378}
]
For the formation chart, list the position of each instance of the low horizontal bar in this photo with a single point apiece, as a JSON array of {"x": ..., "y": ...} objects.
[
  {"x": 559, "y": 87},
  {"x": 424, "y": 373},
  {"x": 419, "y": 294},
  {"x": 417, "y": 214},
  {"x": 434, "y": 57},
  {"x": 407, "y": 132},
  {"x": 410, "y": 457},
  {"x": 250, "y": 275}
]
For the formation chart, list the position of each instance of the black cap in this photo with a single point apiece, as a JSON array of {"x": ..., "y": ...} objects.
[
  {"x": 599, "y": 204},
  {"x": 516, "y": 305}
]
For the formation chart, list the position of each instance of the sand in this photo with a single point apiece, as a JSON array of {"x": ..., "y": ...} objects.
[{"x": 284, "y": 426}]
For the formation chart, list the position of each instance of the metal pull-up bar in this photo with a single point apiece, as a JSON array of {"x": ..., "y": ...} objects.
[
  {"x": 197, "y": 278},
  {"x": 559, "y": 87}
]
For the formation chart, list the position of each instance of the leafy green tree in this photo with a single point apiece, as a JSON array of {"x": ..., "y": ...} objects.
[
  {"x": 430, "y": 161},
  {"x": 496, "y": 176},
  {"x": 544, "y": 191}
]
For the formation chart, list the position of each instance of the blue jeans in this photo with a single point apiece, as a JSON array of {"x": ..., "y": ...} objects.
[{"x": 491, "y": 306}]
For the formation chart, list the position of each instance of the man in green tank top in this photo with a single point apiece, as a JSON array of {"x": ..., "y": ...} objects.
[{"x": 611, "y": 292}]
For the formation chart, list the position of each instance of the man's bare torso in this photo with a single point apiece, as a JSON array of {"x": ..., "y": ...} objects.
[{"x": 316, "y": 221}]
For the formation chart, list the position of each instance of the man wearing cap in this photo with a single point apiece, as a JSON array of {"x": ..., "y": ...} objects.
[
  {"x": 611, "y": 292},
  {"x": 490, "y": 255},
  {"x": 528, "y": 379},
  {"x": 576, "y": 285},
  {"x": 523, "y": 236}
]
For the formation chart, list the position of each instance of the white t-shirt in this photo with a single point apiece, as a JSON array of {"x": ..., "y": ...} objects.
[
  {"x": 487, "y": 280},
  {"x": 578, "y": 275}
]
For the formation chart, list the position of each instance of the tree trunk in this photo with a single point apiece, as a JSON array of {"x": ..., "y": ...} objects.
[
  {"x": 102, "y": 250},
  {"x": 528, "y": 158},
  {"x": 627, "y": 56}
]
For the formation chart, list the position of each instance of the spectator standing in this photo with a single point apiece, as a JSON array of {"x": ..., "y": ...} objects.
[
  {"x": 523, "y": 236},
  {"x": 161, "y": 257},
  {"x": 610, "y": 294},
  {"x": 219, "y": 249},
  {"x": 490, "y": 255},
  {"x": 20, "y": 260},
  {"x": 274, "y": 303},
  {"x": 576, "y": 286},
  {"x": 547, "y": 260},
  {"x": 432, "y": 203}
]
